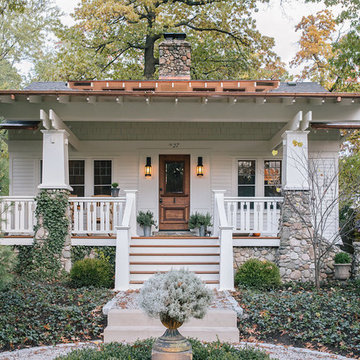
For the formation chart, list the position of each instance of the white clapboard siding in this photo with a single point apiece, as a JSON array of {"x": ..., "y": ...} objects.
[
  {"x": 326, "y": 170},
  {"x": 221, "y": 170},
  {"x": 23, "y": 180},
  {"x": 126, "y": 171}
]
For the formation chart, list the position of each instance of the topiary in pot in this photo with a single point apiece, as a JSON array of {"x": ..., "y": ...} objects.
[
  {"x": 114, "y": 189},
  {"x": 146, "y": 220},
  {"x": 174, "y": 297},
  {"x": 342, "y": 266},
  {"x": 259, "y": 274}
]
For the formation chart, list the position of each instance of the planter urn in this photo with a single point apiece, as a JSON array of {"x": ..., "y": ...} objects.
[
  {"x": 115, "y": 192},
  {"x": 202, "y": 230},
  {"x": 147, "y": 230},
  {"x": 171, "y": 345},
  {"x": 342, "y": 271}
]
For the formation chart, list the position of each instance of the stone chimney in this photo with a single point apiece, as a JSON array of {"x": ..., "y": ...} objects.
[{"x": 175, "y": 57}]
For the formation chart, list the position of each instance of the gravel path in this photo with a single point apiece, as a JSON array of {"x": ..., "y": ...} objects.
[{"x": 275, "y": 351}]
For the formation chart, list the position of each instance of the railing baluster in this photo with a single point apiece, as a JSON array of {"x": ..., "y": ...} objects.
[
  {"x": 268, "y": 217},
  {"x": 247, "y": 215},
  {"x": 255, "y": 227},
  {"x": 234, "y": 207},
  {"x": 242, "y": 216},
  {"x": 81, "y": 216}
]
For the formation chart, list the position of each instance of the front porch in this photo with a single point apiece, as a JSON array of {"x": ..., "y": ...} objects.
[{"x": 111, "y": 221}]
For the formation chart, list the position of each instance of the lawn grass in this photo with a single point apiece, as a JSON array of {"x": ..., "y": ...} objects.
[
  {"x": 326, "y": 320},
  {"x": 34, "y": 313}
]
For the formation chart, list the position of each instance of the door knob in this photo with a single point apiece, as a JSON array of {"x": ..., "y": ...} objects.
[{"x": 160, "y": 201}]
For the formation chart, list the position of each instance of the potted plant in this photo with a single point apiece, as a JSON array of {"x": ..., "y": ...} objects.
[
  {"x": 342, "y": 266},
  {"x": 174, "y": 297},
  {"x": 114, "y": 189},
  {"x": 200, "y": 221},
  {"x": 146, "y": 220}
]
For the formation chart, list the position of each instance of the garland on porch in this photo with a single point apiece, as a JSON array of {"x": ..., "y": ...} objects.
[{"x": 43, "y": 259}]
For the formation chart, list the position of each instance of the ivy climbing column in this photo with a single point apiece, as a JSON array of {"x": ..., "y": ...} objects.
[{"x": 51, "y": 252}]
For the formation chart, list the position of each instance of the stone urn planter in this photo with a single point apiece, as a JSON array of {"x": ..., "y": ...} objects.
[
  {"x": 174, "y": 297},
  {"x": 171, "y": 342},
  {"x": 342, "y": 266},
  {"x": 342, "y": 271}
]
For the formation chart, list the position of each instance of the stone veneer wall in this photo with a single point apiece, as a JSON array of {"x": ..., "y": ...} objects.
[
  {"x": 175, "y": 59},
  {"x": 244, "y": 253},
  {"x": 295, "y": 254},
  {"x": 356, "y": 261}
]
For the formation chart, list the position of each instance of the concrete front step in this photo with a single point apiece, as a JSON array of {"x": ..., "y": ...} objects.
[
  {"x": 175, "y": 258},
  {"x": 175, "y": 241},
  {"x": 145, "y": 276},
  {"x": 168, "y": 266},
  {"x": 217, "y": 324},
  {"x": 174, "y": 250}
]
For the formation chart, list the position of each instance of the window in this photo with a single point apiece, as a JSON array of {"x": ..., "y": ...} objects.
[
  {"x": 272, "y": 177},
  {"x": 246, "y": 178},
  {"x": 77, "y": 177},
  {"x": 102, "y": 177}
]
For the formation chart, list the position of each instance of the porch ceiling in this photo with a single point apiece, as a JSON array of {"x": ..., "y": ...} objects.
[{"x": 210, "y": 131}]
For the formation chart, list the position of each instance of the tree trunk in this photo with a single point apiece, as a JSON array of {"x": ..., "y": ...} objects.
[{"x": 150, "y": 60}]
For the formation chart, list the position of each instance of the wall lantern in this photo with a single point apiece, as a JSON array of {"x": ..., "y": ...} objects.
[
  {"x": 148, "y": 167},
  {"x": 200, "y": 167}
]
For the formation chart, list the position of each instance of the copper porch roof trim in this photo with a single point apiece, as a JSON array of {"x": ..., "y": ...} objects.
[{"x": 179, "y": 94}]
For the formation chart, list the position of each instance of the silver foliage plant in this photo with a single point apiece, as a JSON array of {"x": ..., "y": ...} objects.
[{"x": 178, "y": 294}]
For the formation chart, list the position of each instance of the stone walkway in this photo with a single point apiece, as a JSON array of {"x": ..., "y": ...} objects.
[{"x": 275, "y": 351}]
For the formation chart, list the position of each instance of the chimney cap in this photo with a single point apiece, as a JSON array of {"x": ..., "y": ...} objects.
[{"x": 175, "y": 36}]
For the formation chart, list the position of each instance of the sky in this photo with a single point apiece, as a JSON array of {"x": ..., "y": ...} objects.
[{"x": 272, "y": 20}]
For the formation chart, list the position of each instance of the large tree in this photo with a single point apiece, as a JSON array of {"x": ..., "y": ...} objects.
[
  {"x": 24, "y": 31},
  {"x": 119, "y": 39}
]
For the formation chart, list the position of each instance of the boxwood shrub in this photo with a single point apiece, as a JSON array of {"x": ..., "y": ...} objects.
[
  {"x": 342, "y": 258},
  {"x": 141, "y": 350},
  {"x": 92, "y": 272},
  {"x": 258, "y": 274}
]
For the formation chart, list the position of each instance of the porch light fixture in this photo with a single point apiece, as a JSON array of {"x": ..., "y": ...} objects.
[
  {"x": 200, "y": 167},
  {"x": 148, "y": 167}
]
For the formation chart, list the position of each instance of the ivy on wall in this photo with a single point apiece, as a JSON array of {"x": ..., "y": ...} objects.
[{"x": 43, "y": 259}]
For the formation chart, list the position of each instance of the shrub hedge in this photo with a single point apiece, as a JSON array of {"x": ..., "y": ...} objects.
[
  {"x": 92, "y": 272},
  {"x": 258, "y": 274},
  {"x": 141, "y": 350}
]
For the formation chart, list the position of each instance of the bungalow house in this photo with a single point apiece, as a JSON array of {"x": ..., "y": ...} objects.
[{"x": 175, "y": 146}]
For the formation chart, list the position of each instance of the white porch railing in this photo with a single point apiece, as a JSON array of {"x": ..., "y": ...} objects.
[
  {"x": 17, "y": 214},
  {"x": 253, "y": 214},
  {"x": 96, "y": 215}
]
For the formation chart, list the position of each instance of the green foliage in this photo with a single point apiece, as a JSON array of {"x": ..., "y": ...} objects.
[
  {"x": 43, "y": 259},
  {"x": 34, "y": 314},
  {"x": 196, "y": 220},
  {"x": 145, "y": 219},
  {"x": 141, "y": 350},
  {"x": 115, "y": 185},
  {"x": 342, "y": 258},
  {"x": 7, "y": 261},
  {"x": 347, "y": 227},
  {"x": 92, "y": 272},
  {"x": 24, "y": 31},
  {"x": 304, "y": 316},
  {"x": 4, "y": 161},
  {"x": 258, "y": 274},
  {"x": 119, "y": 40}
]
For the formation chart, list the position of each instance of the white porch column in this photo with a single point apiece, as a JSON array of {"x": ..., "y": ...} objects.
[
  {"x": 295, "y": 160},
  {"x": 122, "y": 258},
  {"x": 55, "y": 165}
]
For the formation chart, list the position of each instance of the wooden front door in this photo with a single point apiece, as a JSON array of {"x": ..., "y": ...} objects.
[{"x": 174, "y": 192}]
